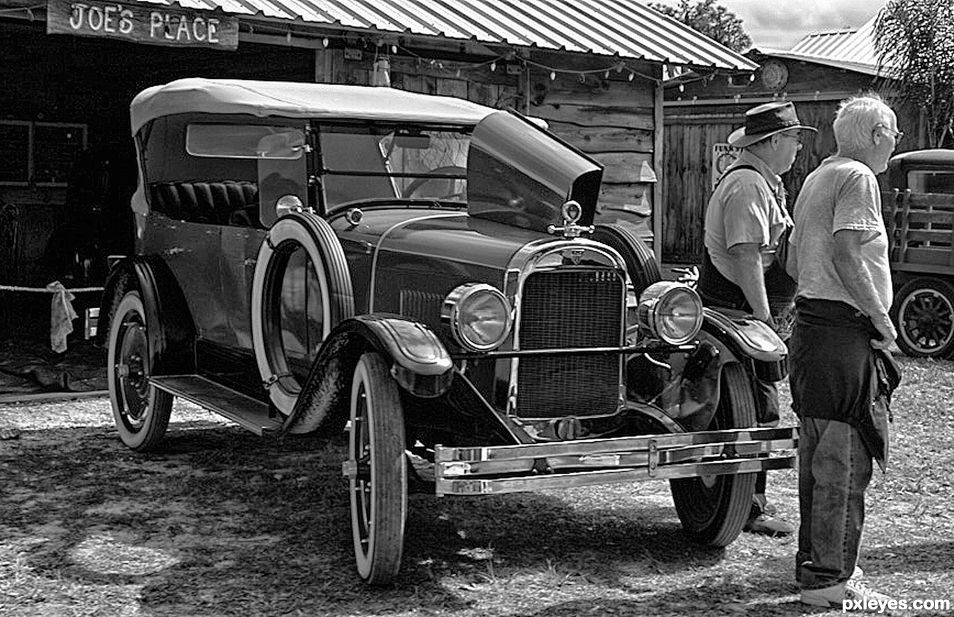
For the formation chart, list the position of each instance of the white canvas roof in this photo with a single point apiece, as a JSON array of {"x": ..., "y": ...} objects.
[{"x": 299, "y": 100}]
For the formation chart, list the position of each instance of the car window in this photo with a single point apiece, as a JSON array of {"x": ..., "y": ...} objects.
[
  {"x": 369, "y": 162},
  {"x": 933, "y": 181},
  {"x": 246, "y": 141}
]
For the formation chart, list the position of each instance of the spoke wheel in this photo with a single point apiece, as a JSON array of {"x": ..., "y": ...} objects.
[
  {"x": 140, "y": 410},
  {"x": 713, "y": 509},
  {"x": 923, "y": 314},
  {"x": 378, "y": 486}
]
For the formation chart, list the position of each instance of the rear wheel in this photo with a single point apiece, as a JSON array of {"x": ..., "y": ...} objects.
[
  {"x": 713, "y": 509},
  {"x": 141, "y": 411},
  {"x": 378, "y": 482},
  {"x": 923, "y": 313}
]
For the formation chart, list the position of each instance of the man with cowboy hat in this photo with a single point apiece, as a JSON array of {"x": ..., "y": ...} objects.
[{"x": 746, "y": 235}]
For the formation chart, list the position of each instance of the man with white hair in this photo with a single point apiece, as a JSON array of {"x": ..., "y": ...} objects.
[{"x": 839, "y": 256}]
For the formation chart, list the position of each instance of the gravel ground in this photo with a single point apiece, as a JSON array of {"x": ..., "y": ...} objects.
[{"x": 220, "y": 522}]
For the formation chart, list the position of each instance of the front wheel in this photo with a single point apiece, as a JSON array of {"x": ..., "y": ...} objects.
[
  {"x": 923, "y": 313},
  {"x": 140, "y": 410},
  {"x": 378, "y": 481},
  {"x": 713, "y": 509}
]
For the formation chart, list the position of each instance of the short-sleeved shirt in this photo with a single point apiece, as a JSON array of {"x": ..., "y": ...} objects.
[
  {"x": 746, "y": 207},
  {"x": 840, "y": 194}
]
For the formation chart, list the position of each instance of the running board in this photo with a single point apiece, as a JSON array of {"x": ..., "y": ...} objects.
[{"x": 248, "y": 412}]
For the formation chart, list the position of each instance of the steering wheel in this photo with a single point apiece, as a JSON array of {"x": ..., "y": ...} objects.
[{"x": 417, "y": 183}]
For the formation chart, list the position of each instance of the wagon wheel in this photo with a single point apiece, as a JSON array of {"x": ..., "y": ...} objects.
[
  {"x": 378, "y": 482},
  {"x": 923, "y": 313},
  {"x": 713, "y": 509},
  {"x": 140, "y": 410}
]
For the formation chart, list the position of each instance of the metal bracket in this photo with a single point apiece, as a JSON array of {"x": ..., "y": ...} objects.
[
  {"x": 271, "y": 381},
  {"x": 653, "y": 457}
]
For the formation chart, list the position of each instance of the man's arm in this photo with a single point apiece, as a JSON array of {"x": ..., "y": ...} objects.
[
  {"x": 857, "y": 280},
  {"x": 747, "y": 265}
]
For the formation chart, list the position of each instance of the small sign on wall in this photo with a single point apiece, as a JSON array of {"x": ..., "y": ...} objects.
[
  {"x": 723, "y": 155},
  {"x": 173, "y": 26}
]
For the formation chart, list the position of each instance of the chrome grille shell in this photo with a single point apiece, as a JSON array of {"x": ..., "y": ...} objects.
[{"x": 567, "y": 294}]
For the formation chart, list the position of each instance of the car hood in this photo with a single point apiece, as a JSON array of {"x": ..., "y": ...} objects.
[{"x": 521, "y": 175}]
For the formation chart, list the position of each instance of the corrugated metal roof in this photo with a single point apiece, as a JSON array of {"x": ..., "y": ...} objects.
[
  {"x": 822, "y": 43},
  {"x": 849, "y": 49},
  {"x": 617, "y": 28}
]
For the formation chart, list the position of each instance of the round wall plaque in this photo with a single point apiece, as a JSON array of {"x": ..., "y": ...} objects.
[{"x": 774, "y": 75}]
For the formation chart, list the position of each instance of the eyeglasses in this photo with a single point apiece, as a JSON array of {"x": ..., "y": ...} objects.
[{"x": 898, "y": 135}]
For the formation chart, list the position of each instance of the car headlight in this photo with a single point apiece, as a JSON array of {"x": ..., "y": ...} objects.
[
  {"x": 479, "y": 316},
  {"x": 670, "y": 311}
]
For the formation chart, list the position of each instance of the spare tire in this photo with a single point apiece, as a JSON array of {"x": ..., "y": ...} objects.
[
  {"x": 293, "y": 232},
  {"x": 640, "y": 261}
]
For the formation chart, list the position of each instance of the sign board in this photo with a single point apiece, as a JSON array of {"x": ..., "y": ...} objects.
[
  {"x": 723, "y": 155},
  {"x": 173, "y": 26}
]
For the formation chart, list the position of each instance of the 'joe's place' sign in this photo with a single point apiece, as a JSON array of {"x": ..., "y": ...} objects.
[{"x": 176, "y": 26}]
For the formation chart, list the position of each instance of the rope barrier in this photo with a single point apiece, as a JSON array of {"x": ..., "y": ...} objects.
[
  {"x": 48, "y": 289},
  {"x": 62, "y": 313}
]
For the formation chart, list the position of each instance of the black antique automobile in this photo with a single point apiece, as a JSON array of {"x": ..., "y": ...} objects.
[{"x": 425, "y": 274}]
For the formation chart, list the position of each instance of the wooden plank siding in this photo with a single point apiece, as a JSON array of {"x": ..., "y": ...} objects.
[
  {"x": 612, "y": 119},
  {"x": 690, "y": 134},
  {"x": 920, "y": 230}
]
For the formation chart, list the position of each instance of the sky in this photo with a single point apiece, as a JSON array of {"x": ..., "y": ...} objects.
[{"x": 779, "y": 24}]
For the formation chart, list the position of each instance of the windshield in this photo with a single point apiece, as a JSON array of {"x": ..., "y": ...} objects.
[{"x": 390, "y": 162}]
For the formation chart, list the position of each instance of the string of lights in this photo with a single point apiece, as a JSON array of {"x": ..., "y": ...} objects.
[{"x": 393, "y": 46}]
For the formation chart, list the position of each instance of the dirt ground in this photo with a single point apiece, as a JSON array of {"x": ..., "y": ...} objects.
[{"x": 220, "y": 522}]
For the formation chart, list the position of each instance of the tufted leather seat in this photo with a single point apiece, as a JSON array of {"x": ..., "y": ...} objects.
[{"x": 203, "y": 202}]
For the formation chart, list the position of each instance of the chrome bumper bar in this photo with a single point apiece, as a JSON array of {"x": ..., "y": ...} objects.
[{"x": 531, "y": 467}]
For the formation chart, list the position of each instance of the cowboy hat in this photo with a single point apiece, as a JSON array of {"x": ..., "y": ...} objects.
[{"x": 764, "y": 121}]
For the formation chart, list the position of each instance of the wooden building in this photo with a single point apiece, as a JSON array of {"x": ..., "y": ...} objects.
[
  {"x": 702, "y": 110},
  {"x": 593, "y": 70}
]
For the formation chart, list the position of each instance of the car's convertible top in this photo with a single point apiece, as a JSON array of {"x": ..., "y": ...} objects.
[{"x": 299, "y": 100}]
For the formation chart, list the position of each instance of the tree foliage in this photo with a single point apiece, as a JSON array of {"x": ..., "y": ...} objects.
[
  {"x": 714, "y": 21},
  {"x": 915, "y": 44}
]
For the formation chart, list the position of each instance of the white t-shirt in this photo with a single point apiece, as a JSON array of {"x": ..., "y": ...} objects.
[{"x": 841, "y": 193}]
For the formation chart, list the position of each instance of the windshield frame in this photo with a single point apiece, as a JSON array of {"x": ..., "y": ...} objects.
[{"x": 325, "y": 170}]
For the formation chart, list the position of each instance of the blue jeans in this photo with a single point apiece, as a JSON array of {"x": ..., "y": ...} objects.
[{"x": 834, "y": 469}]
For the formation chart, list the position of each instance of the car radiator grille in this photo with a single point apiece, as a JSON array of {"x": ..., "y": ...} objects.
[{"x": 570, "y": 308}]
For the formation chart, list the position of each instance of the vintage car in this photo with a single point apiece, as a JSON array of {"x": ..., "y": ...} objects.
[
  {"x": 424, "y": 274},
  {"x": 919, "y": 216}
]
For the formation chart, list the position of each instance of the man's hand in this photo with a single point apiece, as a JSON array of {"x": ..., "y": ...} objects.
[{"x": 886, "y": 329}]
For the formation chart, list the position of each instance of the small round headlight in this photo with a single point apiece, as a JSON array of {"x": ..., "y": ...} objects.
[
  {"x": 670, "y": 311},
  {"x": 479, "y": 316}
]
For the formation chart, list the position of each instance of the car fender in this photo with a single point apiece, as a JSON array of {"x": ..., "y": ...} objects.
[
  {"x": 742, "y": 338},
  {"x": 419, "y": 361},
  {"x": 168, "y": 320}
]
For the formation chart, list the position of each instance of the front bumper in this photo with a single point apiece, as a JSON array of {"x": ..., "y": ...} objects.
[{"x": 531, "y": 467}]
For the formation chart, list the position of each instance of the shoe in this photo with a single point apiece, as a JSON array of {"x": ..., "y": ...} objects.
[
  {"x": 768, "y": 525},
  {"x": 849, "y": 595},
  {"x": 857, "y": 573}
]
